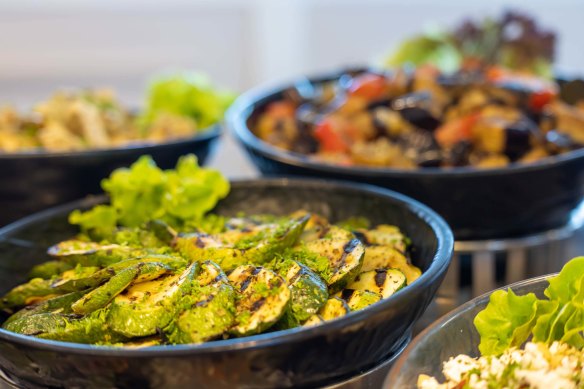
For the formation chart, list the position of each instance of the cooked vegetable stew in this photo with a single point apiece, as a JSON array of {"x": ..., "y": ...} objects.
[
  {"x": 485, "y": 117},
  {"x": 153, "y": 285}
]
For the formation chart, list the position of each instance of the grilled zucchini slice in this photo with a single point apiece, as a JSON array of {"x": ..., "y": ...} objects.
[
  {"x": 257, "y": 249},
  {"x": 386, "y": 257},
  {"x": 385, "y": 235},
  {"x": 345, "y": 258},
  {"x": 335, "y": 307},
  {"x": 359, "y": 299},
  {"x": 262, "y": 299},
  {"x": 49, "y": 269},
  {"x": 67, "y": 328},
  {"x": 383, "y": 281},
  {"x": 147, "y": 306},
  {"x": 208, "y": 311},
  {"x": 309, "y": 292},
  {"x": 93, "y": 254},
  {"x": 38, "y": 289},
  {"x": 101, "y": 296}
]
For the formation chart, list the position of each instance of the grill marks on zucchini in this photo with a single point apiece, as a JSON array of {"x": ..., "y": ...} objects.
[
  {"x": 233, "y": 249},
  {"x": 386, "y": 257},
  {"x": 207, "y": 311},
  {"x": 309, "y": 292},
  {"x": 147, "y": 306},
  {"x": 382, "y": 281},
  {"x": 262, "y": 298},
  {"x": 333, "y": 308},
  {"x": 283, "y": 272},
  {"x": 344, "y": 254}
]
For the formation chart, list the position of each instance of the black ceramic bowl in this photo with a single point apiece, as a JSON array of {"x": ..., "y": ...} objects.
[
  {"x": 478, "y": 204},
  {"x": 32, "y": 181},
  {"x": 298, "y": 357},
  {"x": 452, "y": 335}
]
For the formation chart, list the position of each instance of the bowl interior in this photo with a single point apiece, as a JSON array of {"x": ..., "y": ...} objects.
[
  {"x": 452, "y": 335},
  {"x": 23, "y": 244}
]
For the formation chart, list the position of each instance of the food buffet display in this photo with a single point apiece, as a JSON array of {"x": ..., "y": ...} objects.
[{"x": 176, "y": 276}]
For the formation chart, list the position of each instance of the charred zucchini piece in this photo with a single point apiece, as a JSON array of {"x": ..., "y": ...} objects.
[
  {"x": 96, "y": 278},
  {"x": 385, "y": 235},
  {"x": 67, "y": 328},
  {"x": 359, "y": 299},
  {"x": 101, "y": 296},
  {"x": 93, "y": 254},
  {"x": 257, "y": 249},
  {"x": 345, "y": 259},
  {"x": 49, "y": 269},
  {"x": 383, "y": 281},
  {"x": 146, "y": 306},
  {"x": 89, "y": 329},
  {"x": 386, "y": 257},
  {"x": 59, "y": 304},
  {"x": 334, "y": 308},
  {"x": 316, "y": 227},
  {"x": 33, "y": 291},
  {"x": 309, "y": 291},
  {"x": 39, "y": 289},
  {"x": 208, "y": 311},
  {"x": 262, "y": 299}
]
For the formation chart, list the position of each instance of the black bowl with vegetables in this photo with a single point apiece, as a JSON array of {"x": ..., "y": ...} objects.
[
  {"x": 531, "y": 316},
  {"x": 61, "y": 149},
  {"x": 478, "y": 202},
  {"x": 323, "y": 350}
]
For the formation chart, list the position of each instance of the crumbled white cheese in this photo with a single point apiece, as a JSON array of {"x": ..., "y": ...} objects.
[{"x": 536, "y": 366}]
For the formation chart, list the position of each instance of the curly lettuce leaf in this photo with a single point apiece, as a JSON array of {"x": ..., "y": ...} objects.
[
  {"x": 506, "y": 322},
  {"x": 509, "y": 320},
  {"x": 145, "y": 192},
  {"x": 102, "y": 219},
  {"x": 568, "y": 283},
  {"x": 188, "y": 95},
  {"x": 562, "y": 316}
]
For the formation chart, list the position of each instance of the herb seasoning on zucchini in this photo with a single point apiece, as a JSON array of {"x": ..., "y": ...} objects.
[{"x": 155, "y": 268}]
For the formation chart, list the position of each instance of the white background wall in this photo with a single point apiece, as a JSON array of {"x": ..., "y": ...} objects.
[{"x": 46, "y": 45}]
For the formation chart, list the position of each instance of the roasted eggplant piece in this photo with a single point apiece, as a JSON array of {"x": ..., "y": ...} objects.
[
  {"x": 416, "y": 109},
  {"x": 262, "y": 299}
]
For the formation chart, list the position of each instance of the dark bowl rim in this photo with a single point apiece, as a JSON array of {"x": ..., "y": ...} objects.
[
  {"x": 438, "y": 266},
  {"x": 241, "y": 110},
  {"x": 441, "y": 322},
  {"x": 203, "y": 135}
]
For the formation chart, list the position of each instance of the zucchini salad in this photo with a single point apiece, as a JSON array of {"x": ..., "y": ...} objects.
[{"x": 162, "y": 270}]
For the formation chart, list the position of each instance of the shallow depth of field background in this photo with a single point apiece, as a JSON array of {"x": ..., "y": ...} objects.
[{"x": 46, "y": 45}]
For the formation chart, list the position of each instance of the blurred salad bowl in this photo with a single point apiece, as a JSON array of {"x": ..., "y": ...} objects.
[
  {"x": 522, "y": 335},
  {"x": 62, "y": 149}
]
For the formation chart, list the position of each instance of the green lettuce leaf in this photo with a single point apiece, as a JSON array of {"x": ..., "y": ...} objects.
[
  {"x": 509, "y": 320},
  {"x": 566, "y": 285},
  {"x": 144, "y": 192},
  {"x": 189, "y": 95},
  {"x": 506, "y": 322}
]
